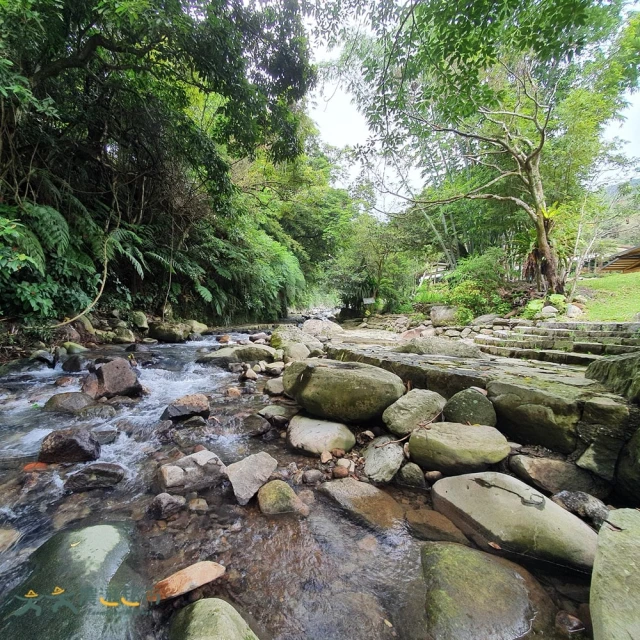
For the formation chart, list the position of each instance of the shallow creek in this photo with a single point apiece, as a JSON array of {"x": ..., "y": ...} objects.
[{"x": 323, "y": 577}]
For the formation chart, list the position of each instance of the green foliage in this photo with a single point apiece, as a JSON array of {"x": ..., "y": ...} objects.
[
  {"x": 558, "y": 301},
  {"x": 430, "y": 293},
  {"x": 533, "y": 308}
]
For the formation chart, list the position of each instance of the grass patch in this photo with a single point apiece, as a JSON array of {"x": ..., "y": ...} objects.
[{"x": 615, "y": 297}]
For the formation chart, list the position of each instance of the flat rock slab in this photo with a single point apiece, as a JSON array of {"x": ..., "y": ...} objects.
[
  {"x": 557, "y": 475},
  {"x": 457, "y": 448},
  {"x": 365, "y": 503},
  {"x": 249, "y": 474},
  {"x": 474, "y": 596},
  {"x": 496, "y": 509},
  {"x": 344, "y": 391},
  {"x": 615, "y": 584},
  {"x": 188, "y": 579},
  {"x": 315, "y": 436}
]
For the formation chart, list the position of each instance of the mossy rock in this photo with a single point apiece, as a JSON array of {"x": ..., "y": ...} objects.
[
  {"x": 210, "y": 619},
  {"x": 344, "y": 391}
]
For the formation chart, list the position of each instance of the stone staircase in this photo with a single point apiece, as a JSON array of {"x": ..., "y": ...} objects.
[{"x": 573, "y": 343}]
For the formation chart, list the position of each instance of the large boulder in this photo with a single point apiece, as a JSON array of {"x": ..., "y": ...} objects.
[
  {"x": 382, "y": 459},
  {"x": 347, "y": 391},
  {"x": 191, "y": 473},
  {"x": 124, "y": 336},
  {"x": 295, "y": 351},
  {"x": 440, "y": 347},
  {"x": 286, "y": 335},
  {"x": 277, "y": 497},
  {"x": 195, "y": 404},
  {"x": 615, "y": 583},
  {"x": 114, "y": 378},
  {"x": 472, "y": 595},
  {"x": 315, "y": 436},
  {"x": 470, "y": 406},
  {"x": 210, "y": 619},
  {"x": 70, "y": 402},
  {"x": 101, "y": 475},
  {"x": 196, "y": 327},
  {"x": 502, "y": 514},
  {"x": 557, "y": 475},
  {"x": 533, "y": 413},
  {"x": 84, "y": 563},
  {"x": 628, "y": 471},
  {"x": 451, "y": 448},
  {"x": 249, "y": 474},
  {"x": 365, "y": 503},
  {"x": 69, "y": 445},
  {"x": 169, "y": 331},
  {"x": 322, "y": 328},
  {"x": 416, "y": 408},
  {"x": 242, "y": 353},
  {"x": 443, "y": 316},
  {"x": 621, "y": 374},
  {"x": 139, "y": 320},
  {"x": 606, "y": 424}
]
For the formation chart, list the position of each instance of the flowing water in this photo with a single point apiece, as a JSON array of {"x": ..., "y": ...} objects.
[{"x": 321, "y": 577}]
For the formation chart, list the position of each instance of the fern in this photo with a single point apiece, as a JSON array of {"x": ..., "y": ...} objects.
[
  {"x": 29, "y": 244},
  {"x": 205, "y": 294},
  {"x": 50, "y": 227}
]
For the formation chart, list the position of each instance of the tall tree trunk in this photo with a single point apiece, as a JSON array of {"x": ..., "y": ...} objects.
[{"x": 548, "y": 256}]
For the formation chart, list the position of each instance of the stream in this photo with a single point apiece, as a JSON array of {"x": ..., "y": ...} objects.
[{"x": 321, "y": 577}]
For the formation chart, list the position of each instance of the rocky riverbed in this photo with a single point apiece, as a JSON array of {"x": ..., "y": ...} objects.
[{"x": 240, "y": 486}]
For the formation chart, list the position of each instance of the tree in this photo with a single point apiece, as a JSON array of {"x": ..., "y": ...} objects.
[{"x": 487, "y": 79}]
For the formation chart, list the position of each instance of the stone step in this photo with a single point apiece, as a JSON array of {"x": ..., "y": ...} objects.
[
  {"x": 544, "y": 355},
  {"x": 537, "y": 342},
  {"x": 575, "y": 333},
  {"x": 592, "y": 326}
]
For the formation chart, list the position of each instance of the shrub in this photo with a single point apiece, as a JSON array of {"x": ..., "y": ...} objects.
[{"x": 533, "y": 308}]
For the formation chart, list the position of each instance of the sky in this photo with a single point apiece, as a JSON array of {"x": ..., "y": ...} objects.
[{"x": 341, "y": 124}]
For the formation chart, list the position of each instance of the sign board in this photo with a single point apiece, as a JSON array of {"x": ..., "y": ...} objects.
[{"x": 369, "y": 300}]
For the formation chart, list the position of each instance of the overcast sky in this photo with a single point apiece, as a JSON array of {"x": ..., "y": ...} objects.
[{"x": 341, "y": 124}]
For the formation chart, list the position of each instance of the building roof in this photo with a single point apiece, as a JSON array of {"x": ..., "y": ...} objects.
[{"x": 627, "y": 261}]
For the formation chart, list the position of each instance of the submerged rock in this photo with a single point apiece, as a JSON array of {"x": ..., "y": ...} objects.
[
  {"x": 249, "y": 474},
  {"x": 101, "y": 475},
  {"x": 557, "y": 475},
  {"x": 615, "y": 583},
  {"x": 195, "y": 404},
  {"x": 416, "y": 408},
  {"x": 502, "y": 514},
  {"x": 315, "y": 436},
  {"x": 75, "y": 364},
  {"x": 278, "y": 497},
  {"x": 84, "y": 563},
  {"x": 191, "y": 473},
  {"x": 165, "y": 505},
  {"x": 470, "y": 406},
  {"x": 427, "y": 524},
  {"x": 210, "y": 619},
  {"x": 457, "y": 448},
  {"x": 472, "y": 595},
  {"x": 382, "y": 460},
  {"x": 188, "y": 579},
  {"x": 345, "y": 391},
  {"x": 69, "y": 402},
  {"x": 69, "y": 445},
  {"x": 365, "y": 503}
]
